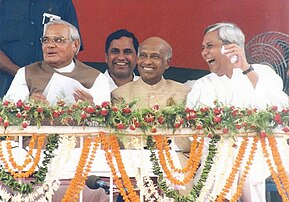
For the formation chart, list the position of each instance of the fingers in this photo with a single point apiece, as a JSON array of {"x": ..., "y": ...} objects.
[
  {"x": 39, "y": 97},
  {"x": 80, "y": 94}
]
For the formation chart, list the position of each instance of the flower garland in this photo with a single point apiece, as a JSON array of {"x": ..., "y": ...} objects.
[
  {"x": 192, "y": 161},
  {"x": 276, "y": 156},
  {"x": 39, "y": 176},
  {"x": 196, "y": 188},
  {"x": 20, "y": 173},
  {"x": 274, "y": 174},
  {"x": 162, "y": 145},
  {"x": 111, "y": 142},
  {"x": 82, "y": 170},
  {"x": 235, "y": 169},
  {"x": 238, "y": 193},
  {"x": 212, "y": 178}
]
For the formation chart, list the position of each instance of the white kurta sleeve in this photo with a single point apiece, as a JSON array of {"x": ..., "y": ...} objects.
[
  {"x": 269, "y": 88},
  {"x": 100, "y": 89},
  {"x": 18, "y": 89}
]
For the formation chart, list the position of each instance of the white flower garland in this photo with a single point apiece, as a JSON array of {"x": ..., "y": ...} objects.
[
  {"x": 211, "y": 176},
  {"x": 224, "y": 167},
  {"x": 52, "y": 182}
]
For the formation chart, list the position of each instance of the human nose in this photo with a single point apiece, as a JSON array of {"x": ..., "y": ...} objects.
[
  {"x": 121, "y": 56},
  {"x": 50, "y": 43},
  {"x": 204, "y": 52},
  {"x": 147, "y": 60}
]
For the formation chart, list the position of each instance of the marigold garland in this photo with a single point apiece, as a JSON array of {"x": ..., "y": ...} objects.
[
  {"x": 115, "y": 151},
  {"x": 82, "y": 170},
  {"x": 238, "y": 193},
  {"x": 17, "y": 170},
  {"x": 233, "y": 173},
  {"x": 272, "y": 171},
  {"x": 196, "y": 146},
  {"x": 191, "y": 167},
  {"x": 23, "y": 188},
  {"x": 278, "y": 162}
]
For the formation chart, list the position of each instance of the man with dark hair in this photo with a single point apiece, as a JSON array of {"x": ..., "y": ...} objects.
[{"x": 121, "y": 57}]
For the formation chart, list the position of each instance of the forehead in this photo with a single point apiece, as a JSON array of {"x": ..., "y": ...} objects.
[
  {"x": 122, "y": 43},
  {"x": 212, "y": 37},
  {"x": 58, "y": 30},
  {"x": 152, "y": 47}
]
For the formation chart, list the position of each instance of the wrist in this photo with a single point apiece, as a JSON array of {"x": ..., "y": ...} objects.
[{"x": 248, "y": 70}]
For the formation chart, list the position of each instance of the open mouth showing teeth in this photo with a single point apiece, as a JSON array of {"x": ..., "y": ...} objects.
[
  {"x": 210, "y": 61},
  {"x": 121, "y": 63}
]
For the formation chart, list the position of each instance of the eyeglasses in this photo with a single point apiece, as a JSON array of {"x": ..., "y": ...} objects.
[{"x": 59, "y": 40}]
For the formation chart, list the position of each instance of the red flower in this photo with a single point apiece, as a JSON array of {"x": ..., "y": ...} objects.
[
  {"x": 126, "y": 110},
  {"x": 6, "y": 103},
  {"x": 6, "y": 124},
  {"x": 161, "y": 119},
  {"x": 90, "y": 109},
  {"x": 285, "y": 129},
  {"x": 274, "y": 108},
  {"x": 19, "y": 103},
  {"x": 83, "y": 115},
  {"x": 114, "y": 108},
  {"x": 120, "y": 126},
  {"x": 156, "y": 107},
  {"x": 199, "y": 127},
  {"x": 153, "y": 130},
  {"x": 27, "y": 107},
  {"x": 39, "y": 109},
  {"x": 217, "y": 111},
  {"x": 225, "y": 130},
  {"x": 263, "y": 134},
  {"x": 24, "y": 124},
  {"x": 18, "y": 115},
  {"x": 105, "y": 104},
  {"x": 217, "y": 119},
  {"x": 55, "y": 114},
  {"x": 132, "y": 127},
  {"x": 104, "y": 112},
  {"x": 278, "y": 118},
  {"x": 178, "y": 125},
  {"x": 238, "y": 126}
]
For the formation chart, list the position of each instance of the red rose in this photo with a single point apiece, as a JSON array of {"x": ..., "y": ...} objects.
[
  {"x": 24, "y": 124},
  {"x": 105, "y": 104},
  {"x": 126, "y": 110},
  {"x": 120, "y": 126},
  {"x": 263, "y": 134},
  {"x": 104, "y": 112}
]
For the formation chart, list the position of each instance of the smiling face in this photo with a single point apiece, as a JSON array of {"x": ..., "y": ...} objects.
[
  {"x": 152, "y": 61},
  {"x": 211, "y": 52},
  {"x": 59, "y": 55},
  {"x": 121, "y": 57}
]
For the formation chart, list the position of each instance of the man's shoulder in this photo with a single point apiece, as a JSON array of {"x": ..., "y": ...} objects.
[
  {"x": 85, "y": 66},
  {"x": 130, "y": 86},
  {"x": 177, "y": 85}
]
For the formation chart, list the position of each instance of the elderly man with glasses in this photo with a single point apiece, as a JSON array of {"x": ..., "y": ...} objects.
[{"x": 59, "y": 75}]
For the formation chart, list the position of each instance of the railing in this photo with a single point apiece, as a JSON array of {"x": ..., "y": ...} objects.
[{"x": 137, "y": 163}]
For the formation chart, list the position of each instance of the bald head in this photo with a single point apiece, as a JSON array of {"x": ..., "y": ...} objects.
[
  {"x": 154, "y": 58},
  {"x": 159, "y": 42}
]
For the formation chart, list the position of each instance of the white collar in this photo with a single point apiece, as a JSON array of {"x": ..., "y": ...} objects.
[{"x": 67, "y": 69}]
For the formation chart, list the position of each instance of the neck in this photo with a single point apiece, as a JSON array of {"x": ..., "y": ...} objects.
[{"x": 122, "y": 81}]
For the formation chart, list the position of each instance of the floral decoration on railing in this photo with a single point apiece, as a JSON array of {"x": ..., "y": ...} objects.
[
  {"x": 205, "y": 120},
  {"x": 215, "y": 123}
]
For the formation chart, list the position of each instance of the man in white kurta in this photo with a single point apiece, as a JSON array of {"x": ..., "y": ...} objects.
[
  {"x": 234, "y": 82},
  {"x": 59, "y": 75}
]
